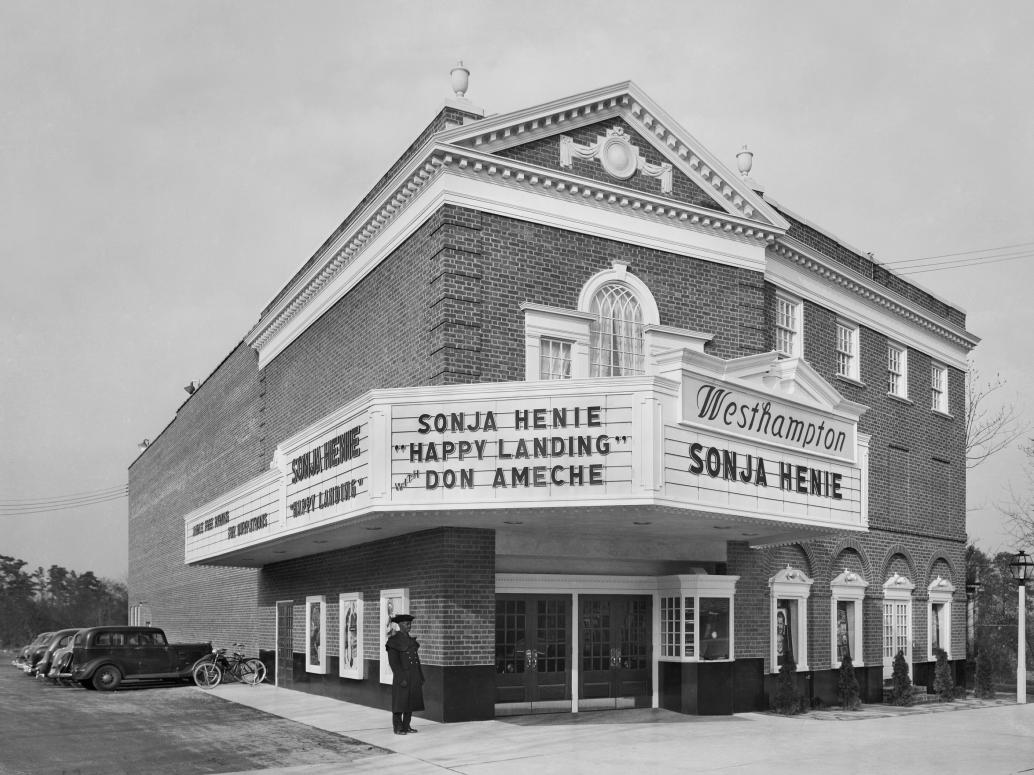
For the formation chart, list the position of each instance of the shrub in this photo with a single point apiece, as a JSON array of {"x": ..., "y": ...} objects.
[
  {"x": 943, "y": 681},
  {"x": 984, "y": 680},
  {"x": 901, "y": 684},
  {"x": 847, "y": 686},
  {"x": 788, "y": 700}
]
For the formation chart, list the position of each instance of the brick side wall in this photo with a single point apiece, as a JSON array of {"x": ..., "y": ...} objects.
[
  {"x": 545, "y": 152},
  {"x": 210, "y": 447}
]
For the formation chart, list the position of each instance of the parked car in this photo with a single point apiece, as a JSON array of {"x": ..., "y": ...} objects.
[
  {"x": 104, "y": 657},
  {"x": 61, "y": 665},
  {"x": 56, "y": 641},
  {"x": 29, "y": 648}
]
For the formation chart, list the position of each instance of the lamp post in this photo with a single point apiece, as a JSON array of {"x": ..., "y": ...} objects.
[{"x": 1022, "y": 570}]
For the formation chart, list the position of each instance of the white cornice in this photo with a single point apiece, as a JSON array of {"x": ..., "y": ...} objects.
[
  {"x": 515, "y": 189},
  {"x": 819, "y": 279}
]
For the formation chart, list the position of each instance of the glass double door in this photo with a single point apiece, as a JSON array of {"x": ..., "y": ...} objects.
[
  {"x": 533, "y": 650},
  {"x": 616, "y": 650}
]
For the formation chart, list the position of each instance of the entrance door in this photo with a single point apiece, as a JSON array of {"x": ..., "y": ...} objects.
[
  {"x": 895, "y": 634},
  {"x": 615, "y": 646},
  {"x": 532, "y": 649},
  {"x": 284, "y": 642}
]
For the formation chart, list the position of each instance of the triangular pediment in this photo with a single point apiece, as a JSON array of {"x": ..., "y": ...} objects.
[
  {"x": 787, "y": 380},
  {"x": 617, "y": 135}
]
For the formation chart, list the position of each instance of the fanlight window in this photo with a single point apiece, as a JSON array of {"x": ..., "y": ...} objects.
[{"x": 616, "y": 332}]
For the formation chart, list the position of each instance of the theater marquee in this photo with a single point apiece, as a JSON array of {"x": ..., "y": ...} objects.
[{"x": 756, "y": 437}]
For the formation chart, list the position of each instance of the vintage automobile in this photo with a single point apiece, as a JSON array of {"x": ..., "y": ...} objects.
[
  {"x": 104, "y": 657},
  {"x": 23, "y": 655},
  {"x": 61, "y": 666},
  {"x": 57, "y": 640}
]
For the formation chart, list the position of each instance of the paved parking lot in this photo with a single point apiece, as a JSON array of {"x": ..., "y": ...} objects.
[{"x": 168, "y": 729}]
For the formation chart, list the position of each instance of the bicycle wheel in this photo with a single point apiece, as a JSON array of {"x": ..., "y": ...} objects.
[
  {"x": 252, "y": 671},
  {"x": 207, "y": 675}
]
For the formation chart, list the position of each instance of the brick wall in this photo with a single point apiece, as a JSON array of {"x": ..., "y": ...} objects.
[
  {"x": 210, "y": 447},
  {"x": 450, "y": 574}
]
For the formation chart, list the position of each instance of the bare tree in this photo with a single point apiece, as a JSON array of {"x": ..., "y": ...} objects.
[
  {"x": 988, "y": 430},
  {"x": 1019, "y": 509}
]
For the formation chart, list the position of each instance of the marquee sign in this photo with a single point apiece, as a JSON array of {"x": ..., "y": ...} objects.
[
  {"x": 719, "y": 406},
  {"x": 534, "y": 448}
]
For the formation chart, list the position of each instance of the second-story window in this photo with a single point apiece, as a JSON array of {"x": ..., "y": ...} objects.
[
  {"x": 554, "y": 358},
  {"x": 897, "y": 371},
  {"x": 938, "y": 388},
  {"x": 616, "y": 333},
  {"x": 847, "y": 350},
  {"x": 788, "y": 326}
]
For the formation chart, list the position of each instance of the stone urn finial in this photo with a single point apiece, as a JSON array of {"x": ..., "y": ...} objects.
[
  {"x": 745, "y": 160},
  {"x": 460, "y": 79}
]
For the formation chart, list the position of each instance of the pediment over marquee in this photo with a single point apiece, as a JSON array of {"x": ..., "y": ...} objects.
[{"x": 790, "y": 380}]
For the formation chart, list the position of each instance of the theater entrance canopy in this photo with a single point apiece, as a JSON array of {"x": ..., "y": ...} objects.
[{"x": 757, "y": 449}]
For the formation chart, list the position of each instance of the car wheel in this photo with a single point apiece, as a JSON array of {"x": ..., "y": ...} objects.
[{"x": 106, "y": 678}]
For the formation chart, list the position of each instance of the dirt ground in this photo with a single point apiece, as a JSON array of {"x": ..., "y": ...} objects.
[{"x": 169, "y": 729}]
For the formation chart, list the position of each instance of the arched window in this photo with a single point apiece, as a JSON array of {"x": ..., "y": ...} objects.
[{"x": 615, "y": 332}]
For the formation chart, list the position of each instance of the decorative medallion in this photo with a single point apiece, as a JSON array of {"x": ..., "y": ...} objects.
[{"x": 619, "y": 158}]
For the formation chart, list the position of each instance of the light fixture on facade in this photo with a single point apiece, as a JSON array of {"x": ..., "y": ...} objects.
[
  {"x": 1022, "y": 570},
  {"x": 191, "y": 388},
  {"x": 143, "y": 444}
]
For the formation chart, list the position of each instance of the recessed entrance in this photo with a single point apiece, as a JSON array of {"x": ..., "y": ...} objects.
[{"x": 615, "y": 646}]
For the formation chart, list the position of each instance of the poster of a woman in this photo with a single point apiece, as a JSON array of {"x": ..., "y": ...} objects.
[
  {"x": 315, "y": 622},
  {"x": 843, "y": 633},
  {"x": 784, "y": 637},
  {"x": 314, "y": 633}
]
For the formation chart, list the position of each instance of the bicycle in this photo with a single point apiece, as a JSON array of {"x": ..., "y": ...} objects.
[{"x": 211, "y": 669}]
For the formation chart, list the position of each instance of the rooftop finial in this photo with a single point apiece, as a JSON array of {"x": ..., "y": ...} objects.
[
  {"x": 745, "y": 160},
  {"x": 460, "y": 79}
]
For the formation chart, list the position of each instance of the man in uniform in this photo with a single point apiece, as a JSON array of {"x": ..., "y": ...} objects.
[{"x": 407, "y": 693}]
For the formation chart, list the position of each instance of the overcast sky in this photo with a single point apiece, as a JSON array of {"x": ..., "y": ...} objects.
[{"x": 165, "y": 167}]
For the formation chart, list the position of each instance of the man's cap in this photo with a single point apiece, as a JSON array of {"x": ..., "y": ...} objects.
[{"x": 402, "y": 618}]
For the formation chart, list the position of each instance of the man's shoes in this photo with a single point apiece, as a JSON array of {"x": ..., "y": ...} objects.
[
  {"x": 409, "y": 731},
  {"x": 402, "y": 731}
]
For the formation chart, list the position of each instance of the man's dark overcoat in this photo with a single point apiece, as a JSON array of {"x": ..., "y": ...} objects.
[{"x": 407, "y": 685}]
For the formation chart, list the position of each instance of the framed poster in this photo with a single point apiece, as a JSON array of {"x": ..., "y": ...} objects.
[
  {"x": 315, "y": 634},
  {"x": 393, "y": 601},
  {"x": 350, "y": 635}
]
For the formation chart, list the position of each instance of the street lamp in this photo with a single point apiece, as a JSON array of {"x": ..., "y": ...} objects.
[{"x": 1022, "y": 570}]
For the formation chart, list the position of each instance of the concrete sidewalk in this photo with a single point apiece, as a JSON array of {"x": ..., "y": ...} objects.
[{"x": 965, "y": 737}]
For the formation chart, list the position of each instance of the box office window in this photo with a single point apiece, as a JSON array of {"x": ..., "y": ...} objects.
[{"x": 696, "y": 618}]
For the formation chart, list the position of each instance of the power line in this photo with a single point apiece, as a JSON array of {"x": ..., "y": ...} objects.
[
  {"x": 69, "y": 497},
  {"x": 960, "y": 253},
  {"x": 964, "y": 264},
  {"x": 43, "y": 507}
]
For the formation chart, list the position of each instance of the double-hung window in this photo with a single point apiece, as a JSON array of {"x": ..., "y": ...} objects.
[
  {"x": 938, "y": 388},
  {"x": 847, "y": 350},
  {"x": 788, "y": 326},
  {"x": 897, "y": 370},
  {"x": 554, "y": 358}
]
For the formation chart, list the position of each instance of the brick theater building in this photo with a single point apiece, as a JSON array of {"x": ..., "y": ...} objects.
[{"x": 617, "y": 428}]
